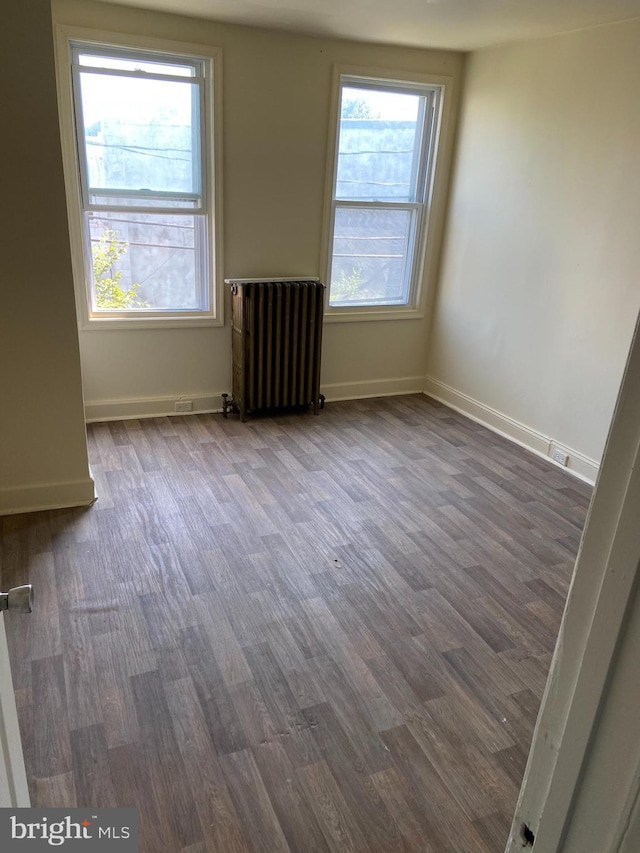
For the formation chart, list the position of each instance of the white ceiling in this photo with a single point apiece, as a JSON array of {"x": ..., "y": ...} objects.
[{"x": 455, "y": 24}]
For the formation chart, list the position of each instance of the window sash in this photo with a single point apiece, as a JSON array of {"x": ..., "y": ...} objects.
[
  {"x": 424, "y": 127},
  {"x": 410, "y": 255},
  {"x": 201, "y": 250},
  {"x": 198, "y": 136}
]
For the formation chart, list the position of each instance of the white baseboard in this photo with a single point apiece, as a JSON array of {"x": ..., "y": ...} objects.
[
  {"x": 372, "y": 388},
  {"x": 160, "y": 407},
  {"x": 579, "y": 465},
  {"x": 43, "y": 496},
  {"x": 148, "y": 407}
]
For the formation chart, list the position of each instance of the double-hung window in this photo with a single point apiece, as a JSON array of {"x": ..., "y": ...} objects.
[
  {"x": 382, "y": 173},
  {"x": 143, "y": 147}
]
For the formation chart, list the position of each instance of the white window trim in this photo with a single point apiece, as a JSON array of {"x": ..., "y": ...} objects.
[
  {"x": 433, "y": 211},
  {"x": 64, "y": 36}
]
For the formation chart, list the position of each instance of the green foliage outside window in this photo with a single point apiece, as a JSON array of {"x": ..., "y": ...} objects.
[
  {"x": 109, "y": 293},
  {"x": 347, "y": 285},
  {"x": 358, "y": 108}
]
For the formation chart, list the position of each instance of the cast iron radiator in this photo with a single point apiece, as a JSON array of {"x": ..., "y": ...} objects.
[{"x": 276, "y": 344}]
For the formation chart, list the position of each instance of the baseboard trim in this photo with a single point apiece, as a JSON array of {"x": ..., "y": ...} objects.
[
  {"x": 579, "y": 465},
  {"x": 372, "y": 388},
  {"x": 160, "y": 407},
  {"x": 44, "y": 496},
  {"x": 149, "y": 407}
]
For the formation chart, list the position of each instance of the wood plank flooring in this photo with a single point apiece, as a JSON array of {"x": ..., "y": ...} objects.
[{"x": 296, "y": 634}]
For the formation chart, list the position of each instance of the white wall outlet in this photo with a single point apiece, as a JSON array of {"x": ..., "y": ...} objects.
[
  {"x": 184, "y": 406},
  {"x": 560, "y": 457}
]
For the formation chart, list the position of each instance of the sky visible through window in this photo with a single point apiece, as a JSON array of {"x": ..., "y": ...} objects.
[{"x": 123, "y": 99}]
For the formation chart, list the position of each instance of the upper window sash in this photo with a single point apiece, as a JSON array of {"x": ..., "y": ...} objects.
[
  {"x": 184, "y": 189},
  {"x": 415, "y": 172}
]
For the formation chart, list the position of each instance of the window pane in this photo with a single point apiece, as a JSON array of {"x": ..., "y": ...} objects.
[
  {"x": 144, "y": 261},
  {"x": 140, "y": 134},
  {"x": 371, "y": 256},
  {"x": 379, "y": 145}
]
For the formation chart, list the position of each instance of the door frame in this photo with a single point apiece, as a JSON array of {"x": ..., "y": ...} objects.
[
  {"x": 14, "y": 791},
  {"x": 598, "y": 605}
]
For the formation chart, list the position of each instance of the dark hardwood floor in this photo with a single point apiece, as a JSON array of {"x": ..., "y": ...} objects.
[{"x": 296, "y": 634}]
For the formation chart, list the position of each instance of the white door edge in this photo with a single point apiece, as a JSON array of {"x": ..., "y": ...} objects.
[
  {"x": 14, "y": 791},
  {"x": 603, "y": 584}
]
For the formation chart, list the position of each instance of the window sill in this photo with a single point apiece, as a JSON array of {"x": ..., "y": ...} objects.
[
  {"x": 104, "y": 324},
  {"x": 361, "y": 313}
]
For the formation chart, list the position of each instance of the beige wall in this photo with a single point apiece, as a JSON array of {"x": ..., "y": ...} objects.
[
  {"x": 275, "y": 128},
  {"x": 540, "y": 276},
  {"x": 43, "y": 455}
]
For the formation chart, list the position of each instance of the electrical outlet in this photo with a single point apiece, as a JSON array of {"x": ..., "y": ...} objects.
[
  {"x": 560, "y": 457},
  {"x": 184, "y": 406}
]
